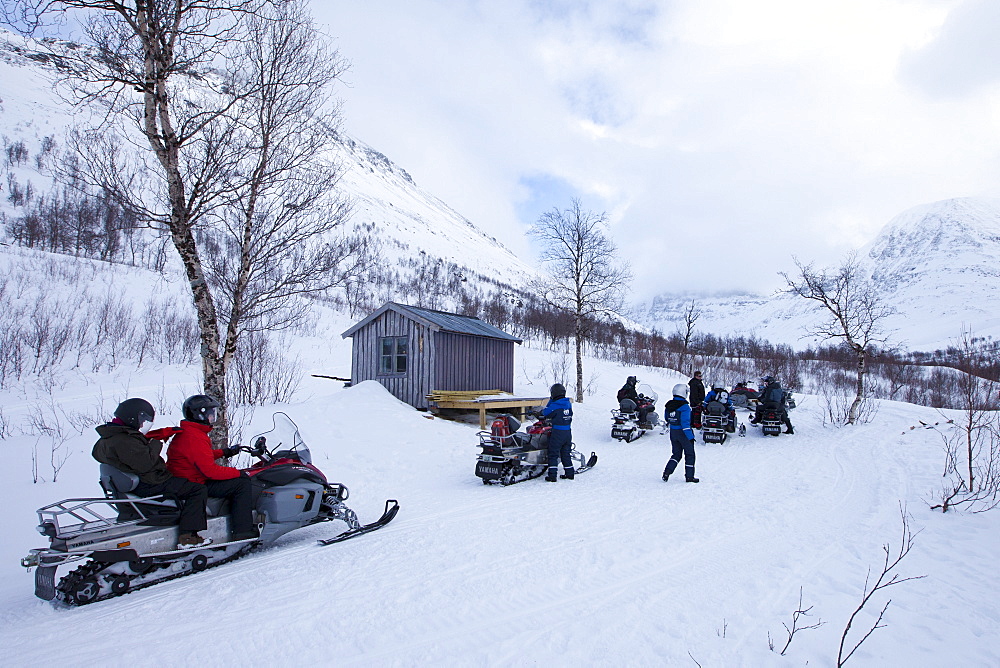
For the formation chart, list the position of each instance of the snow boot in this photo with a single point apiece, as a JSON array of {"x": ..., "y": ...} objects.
[
  {"x": 551, "y": 478},
  {"x": 191, "y": 539},
  {"x": 568, "y": 474},
  {"x": 692, "y": 479},
  {"x": 666, "y": 476},
  {"x": 789, "y": 431}
]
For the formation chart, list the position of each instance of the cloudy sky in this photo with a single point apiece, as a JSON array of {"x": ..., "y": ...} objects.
[{"x": 721, "y": 137}]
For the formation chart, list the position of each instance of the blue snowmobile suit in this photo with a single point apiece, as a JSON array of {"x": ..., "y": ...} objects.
[
  {"x": 678, "y": 412},
  {"x": 560, "y": 413}
]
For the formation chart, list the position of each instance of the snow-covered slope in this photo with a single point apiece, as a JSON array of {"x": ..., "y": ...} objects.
[
  {"x": 938, "y": 264},
  {"x": 613, "y": 568},
  {"x": 409, "y": 221}
]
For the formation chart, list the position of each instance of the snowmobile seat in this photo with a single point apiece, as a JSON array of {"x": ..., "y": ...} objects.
[
  {"x": 627, "y": 406},
  {"x": 739, "y": 400},
  {"x": 118, "y": 484},
  {"x": 716, "y": 408},
  {"x": 217, "y": 506}
]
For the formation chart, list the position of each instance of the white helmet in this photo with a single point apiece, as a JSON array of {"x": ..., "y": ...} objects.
[{"x": 681, "y": 390}]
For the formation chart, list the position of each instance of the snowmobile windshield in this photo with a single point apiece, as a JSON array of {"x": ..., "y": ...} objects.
[
  {"x": 284, "y": 440},
  {"x": 648, "y": 392}
]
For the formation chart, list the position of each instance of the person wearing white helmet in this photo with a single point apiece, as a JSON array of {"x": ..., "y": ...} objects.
[{"x": 678, "y": 413}]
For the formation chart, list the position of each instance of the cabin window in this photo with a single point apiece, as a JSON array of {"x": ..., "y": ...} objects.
[{"x": 395, "y": 351}]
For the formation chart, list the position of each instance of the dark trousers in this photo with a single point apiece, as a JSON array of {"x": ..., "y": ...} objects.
[
  {"x": 190, "y": 495},
  {"x": 560, "y": 445},
  {"x": 682, "y": 446},
  {"x": 239, "y": 491},
  {"x": 782, "y": 413}
]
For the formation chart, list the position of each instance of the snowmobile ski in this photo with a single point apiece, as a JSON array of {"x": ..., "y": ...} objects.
[{"x": 391, "y": 508}]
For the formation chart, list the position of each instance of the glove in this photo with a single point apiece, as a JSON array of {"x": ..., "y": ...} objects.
[{"x": 231, "y": 452}]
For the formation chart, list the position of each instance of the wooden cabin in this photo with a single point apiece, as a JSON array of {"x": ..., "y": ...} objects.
[{"x": 415, "y": 351}]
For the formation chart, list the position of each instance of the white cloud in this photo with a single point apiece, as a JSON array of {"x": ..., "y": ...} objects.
[{"x": 716, "y": 133}]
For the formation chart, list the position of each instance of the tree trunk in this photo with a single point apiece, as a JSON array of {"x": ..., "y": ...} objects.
[
  {"x": 579, "y": 358},
  {"x": 162, "y": 138},
  {"x": 852, "y": 414}
]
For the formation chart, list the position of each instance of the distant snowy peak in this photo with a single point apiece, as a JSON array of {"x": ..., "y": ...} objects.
[
  {"x": 932, "y": 240},
  {"x": 937, "y": 264}
]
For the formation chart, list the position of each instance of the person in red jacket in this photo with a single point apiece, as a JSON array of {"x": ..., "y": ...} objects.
[{"x": 191, "y": 456}]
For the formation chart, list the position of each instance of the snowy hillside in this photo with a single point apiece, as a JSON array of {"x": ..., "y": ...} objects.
[
  {"x": 938, "y": 264},
  {"x": 389, "y": 206}
]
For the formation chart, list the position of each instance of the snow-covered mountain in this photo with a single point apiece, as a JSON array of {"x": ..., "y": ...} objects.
[
  {"x": 938, "y": 264},
  {"x": 410, "y": 222}
]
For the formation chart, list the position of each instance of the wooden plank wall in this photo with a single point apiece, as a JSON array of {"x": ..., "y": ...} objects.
[
  {"x": 412, "y": 387},
  {"x": 473, "y": 363}
]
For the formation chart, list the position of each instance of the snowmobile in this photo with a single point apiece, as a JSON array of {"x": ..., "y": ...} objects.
[
  {"x": 510, "y": 456},
  {"x": 718, "y": 421},
  {"x": 625, "y": 423},
  {"x": 124, "y": 542},
  {"x": 770, "y": 415}
]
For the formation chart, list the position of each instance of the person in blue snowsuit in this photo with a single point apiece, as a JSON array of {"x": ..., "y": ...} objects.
[
  {"x": 678, "y": 413},
  {"x": 718, "y": 394},
  {"x": 559, "y": 411}
]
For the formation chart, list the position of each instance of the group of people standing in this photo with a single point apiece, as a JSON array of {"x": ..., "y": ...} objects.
[
  {"x": 190, "y": 474},
  {"x": 678, "y": 415}
]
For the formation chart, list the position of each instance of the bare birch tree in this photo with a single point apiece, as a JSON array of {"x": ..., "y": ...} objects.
[
  {"x": 216, "y": 89},
  {"x": 691, "y": 315},
  {"x": 588, "y": 281},
  {"x": 854, "y": 310}
]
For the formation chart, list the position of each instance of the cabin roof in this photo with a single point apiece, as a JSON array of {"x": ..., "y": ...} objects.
[{"x": 438, "y": 321}]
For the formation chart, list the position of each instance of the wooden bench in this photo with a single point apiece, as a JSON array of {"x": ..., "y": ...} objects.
[{"x": 494, "y": 403}]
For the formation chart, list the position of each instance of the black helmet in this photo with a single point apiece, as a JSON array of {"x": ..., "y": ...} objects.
[
  {"x": 557, "y": 391},
  {"x": 133, "y": 412},
  {"x": 201, "y": 408},
  {"x": 631, "y": 380}
]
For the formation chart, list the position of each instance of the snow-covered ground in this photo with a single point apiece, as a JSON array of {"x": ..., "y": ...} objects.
[{"x": 614, "y": 568}]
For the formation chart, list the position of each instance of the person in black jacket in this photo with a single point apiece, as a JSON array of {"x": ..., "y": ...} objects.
[
  {"x": 630, "y": 393},
  {"x": 773, "y": 397},
  {"x": 697, "y": 393},
  {"x": 127, "y": 444}
]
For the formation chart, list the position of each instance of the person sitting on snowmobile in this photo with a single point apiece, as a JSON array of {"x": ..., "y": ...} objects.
[
  {"x": 127, "y": 444},
  {"x": 773, "y": 397},
  {"x": 630, "y": 393},
  {"x": 678, "y": 413},
  {"x": 718, "y": 393},
  {"x": 742, "y": 388},
  {"x": 559, "y": 411},
  {"x": 192, "y": 457}
]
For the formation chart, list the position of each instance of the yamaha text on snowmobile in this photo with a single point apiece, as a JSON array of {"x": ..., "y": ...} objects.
[
  {"x": 123, "y": 542},
  {"x": 509, "y": 456}
]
